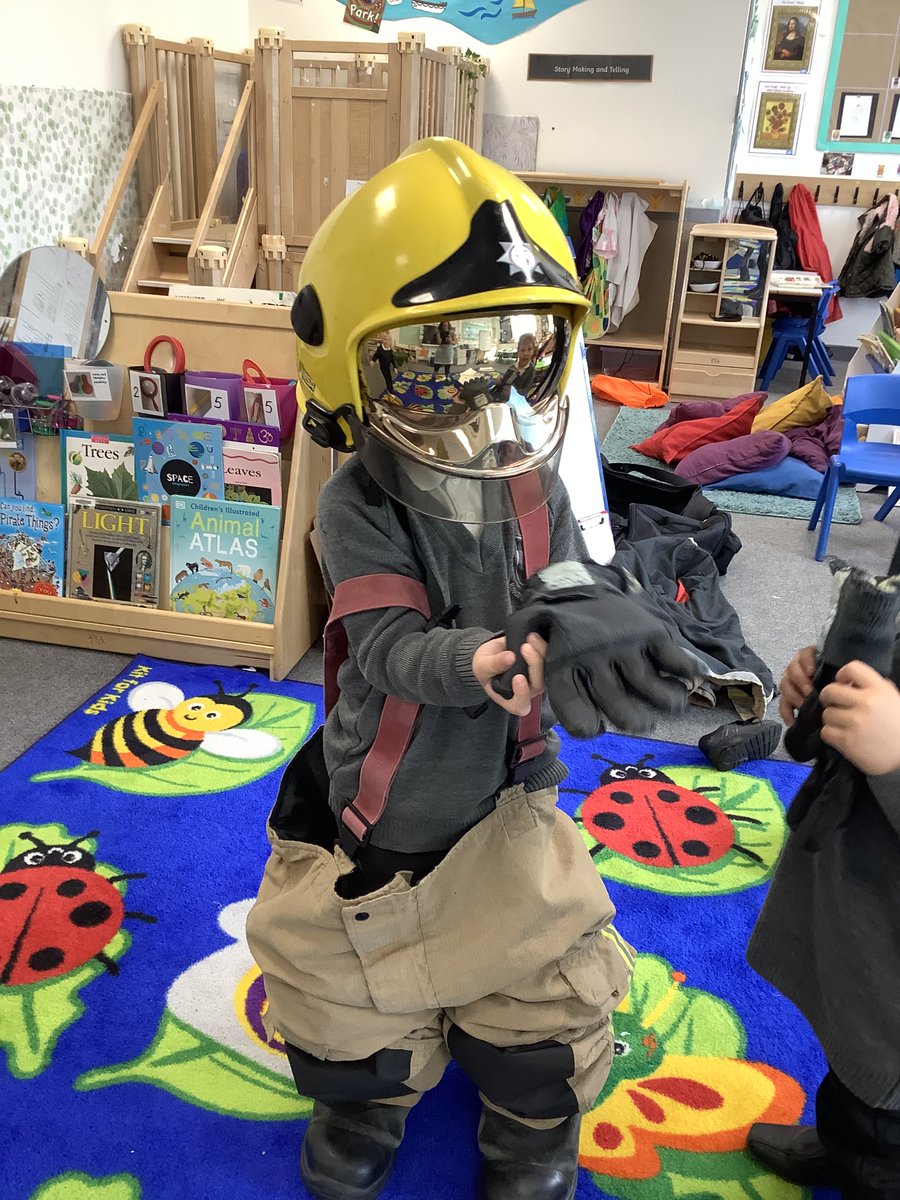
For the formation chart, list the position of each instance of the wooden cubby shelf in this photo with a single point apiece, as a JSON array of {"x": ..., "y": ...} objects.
[{"x": 643, "y": 337}]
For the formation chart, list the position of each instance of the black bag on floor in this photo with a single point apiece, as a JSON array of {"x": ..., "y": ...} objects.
[{"x": 640, "y": 483}]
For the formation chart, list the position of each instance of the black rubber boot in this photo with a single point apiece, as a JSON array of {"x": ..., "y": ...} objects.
[
  {"x": 730, "y": 746},
  {"x": 795, "y": 1153},
  {"x": 348, "y": 1149},
  {"x": 521, "y": 1163}
]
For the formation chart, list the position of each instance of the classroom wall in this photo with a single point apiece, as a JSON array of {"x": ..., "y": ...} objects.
[
  {"x": 668, "y": 129},
  {"x": 839, "y": 225},
  {"x": 60, "y": 44}
]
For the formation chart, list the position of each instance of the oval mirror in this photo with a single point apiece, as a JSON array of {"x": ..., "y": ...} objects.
[{"x": 52, "y": 297}]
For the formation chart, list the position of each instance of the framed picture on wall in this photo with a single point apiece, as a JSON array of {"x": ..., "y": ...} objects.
[
  {"x": 856, "y": 115},
  {"x": 792, "y": 34},
  {"x": 777, "y": 120}
]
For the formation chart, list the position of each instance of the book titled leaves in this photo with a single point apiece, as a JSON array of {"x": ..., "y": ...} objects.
[
  {"x": 114, "y": 551},
  {"x": 223, "y": 559},
  {"x": 31, "y": 546},
  {"x": 252, "y": 473},
  {"x": 98, "y": 465}
]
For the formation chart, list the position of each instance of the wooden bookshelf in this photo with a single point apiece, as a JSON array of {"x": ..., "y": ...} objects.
[
  {"x": 712, "y": 357},
  {"x": 215, "y": 335}
]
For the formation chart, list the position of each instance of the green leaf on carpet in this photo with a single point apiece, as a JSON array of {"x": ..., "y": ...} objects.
[
  {"x": 75, "y": 1185},
  {"x": 201, "y": 1071},
  {"x": 756, "y": 817},
  {"x": 684, "y": 1020},
  {"x": 33, "y": 1016},
  {"x": 686, "y": 1176},
  {"x": 287, "y": 720}
]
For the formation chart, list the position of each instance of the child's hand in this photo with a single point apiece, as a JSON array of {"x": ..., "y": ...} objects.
[
  {"x": 796, "y": 683},
  {"x": 862, "y": 719},
  {"x": 492, "y": 658}
]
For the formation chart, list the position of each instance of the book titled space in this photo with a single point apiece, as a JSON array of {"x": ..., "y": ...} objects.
[
  {"x": 32, "y": 546},
  {"x": 177, "y": 460},
  {"x": 97, "y": 464},
  {"x": 252, "y": 473},
  {"x": 114, "y": 551},
  {"x": 223, "y": 559}
]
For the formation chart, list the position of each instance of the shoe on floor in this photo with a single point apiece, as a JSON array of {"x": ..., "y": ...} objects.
[
  {"x": 793, "y": 1152},
  {"x": 731, "y": 745},
  {"x": 348, "y": 1150}
]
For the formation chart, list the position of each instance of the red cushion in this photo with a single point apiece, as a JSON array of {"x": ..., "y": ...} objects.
[
  {"x": 678, "y": 441},
  {"x": 721, "y": 460}
]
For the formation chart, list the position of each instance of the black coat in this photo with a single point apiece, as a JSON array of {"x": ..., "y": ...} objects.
[{"x": 869, "y": 269}]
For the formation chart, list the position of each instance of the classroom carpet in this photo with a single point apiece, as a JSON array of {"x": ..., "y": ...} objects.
[
  {"x": 632, "y": 425},
  {"x": 135, "y": 1065}
]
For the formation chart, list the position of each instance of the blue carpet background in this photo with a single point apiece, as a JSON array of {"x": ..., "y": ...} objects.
[{"x": 205, "y": 851}]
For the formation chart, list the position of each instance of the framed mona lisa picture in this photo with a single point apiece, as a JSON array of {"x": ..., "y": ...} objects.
[{"x": 792, "y": 32}]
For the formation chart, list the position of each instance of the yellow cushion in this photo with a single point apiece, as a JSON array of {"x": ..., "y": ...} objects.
[{"x": 807, "y": 406}]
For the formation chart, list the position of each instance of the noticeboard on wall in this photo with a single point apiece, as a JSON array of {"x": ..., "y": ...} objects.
[{"x": 863, "y": 82}]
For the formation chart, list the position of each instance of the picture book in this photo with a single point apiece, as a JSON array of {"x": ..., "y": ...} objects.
[
  {"x": 114, "y": 551},
  {"x": 99, "y": 465},
  {"x": 223, "y": 559},
  {"x": 252, "y": 474},
  {"x": 177, "y": 460},
  {"x": 32, "y": 546},
  {"x": 17, "y": 470},
  {"x": 237, "y": 431}
]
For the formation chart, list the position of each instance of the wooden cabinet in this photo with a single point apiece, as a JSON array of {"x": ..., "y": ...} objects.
[
  {"x": 728, "y": 266},
  {"x": 637, "y": 349}
]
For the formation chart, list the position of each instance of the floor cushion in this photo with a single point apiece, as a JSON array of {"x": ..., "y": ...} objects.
[
  {"x": 807, "y": 406},
  {"x": 816, "y": 444},
  {"x": 720, "y": 460},
  {"x": 675, "y": 443},
  {"x": 697, "y": 410},
  {"x": 790, "y": 478}
]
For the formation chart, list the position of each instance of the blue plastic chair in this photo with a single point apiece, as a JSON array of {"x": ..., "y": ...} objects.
[
  {"x": 791, "y": 333},
  {"x": 868, "y": 400}
]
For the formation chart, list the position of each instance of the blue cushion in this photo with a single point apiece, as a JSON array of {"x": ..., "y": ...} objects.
[{"x": 790, "y": 478}]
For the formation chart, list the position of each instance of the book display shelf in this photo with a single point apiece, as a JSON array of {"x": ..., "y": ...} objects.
[{"x": 219, "y": 334}]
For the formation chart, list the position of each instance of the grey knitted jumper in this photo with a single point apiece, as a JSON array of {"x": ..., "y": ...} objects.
[{"x": 457, "y": 762}]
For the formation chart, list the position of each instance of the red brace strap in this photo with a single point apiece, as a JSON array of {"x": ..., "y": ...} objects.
[{"x": 365, "y": 593}]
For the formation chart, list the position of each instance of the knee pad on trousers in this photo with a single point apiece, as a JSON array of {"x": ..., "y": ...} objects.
[
  {"x": 381, "y": 1076},
  {"x": 529, "y": 1081}
]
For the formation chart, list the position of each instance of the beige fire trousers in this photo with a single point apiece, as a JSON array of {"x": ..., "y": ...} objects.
[{"x": 503, "y": 957}]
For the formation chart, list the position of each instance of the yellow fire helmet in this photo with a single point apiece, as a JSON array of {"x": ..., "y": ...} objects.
[{"x": 435, "y": 321}]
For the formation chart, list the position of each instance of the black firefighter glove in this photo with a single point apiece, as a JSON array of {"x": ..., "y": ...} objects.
[{"x": 609, "y": 661}]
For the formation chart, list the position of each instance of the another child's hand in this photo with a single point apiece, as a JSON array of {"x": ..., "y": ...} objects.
[
  {"x": 796, "y": 683},
  {"x": 862, "y": 719},
  {"x": 493, "y": 658}
]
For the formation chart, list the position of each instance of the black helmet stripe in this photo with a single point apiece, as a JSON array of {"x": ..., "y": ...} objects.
[{"x": 497, "y": 254}]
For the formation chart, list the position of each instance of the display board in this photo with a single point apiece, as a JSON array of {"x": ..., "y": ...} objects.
[
  {"x": 580, "y": 466},
  {"x": 861, "y": 106}
]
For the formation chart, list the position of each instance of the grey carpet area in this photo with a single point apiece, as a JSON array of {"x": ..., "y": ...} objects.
[{"x": 779, "y": 591}]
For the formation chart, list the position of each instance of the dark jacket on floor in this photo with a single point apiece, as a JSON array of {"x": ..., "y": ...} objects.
[{"x": 828, "y": 938}]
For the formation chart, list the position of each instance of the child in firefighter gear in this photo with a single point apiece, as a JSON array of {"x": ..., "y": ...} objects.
[
  {"x": 829, "y": 935},
  {"x": 424, "y": 897}
]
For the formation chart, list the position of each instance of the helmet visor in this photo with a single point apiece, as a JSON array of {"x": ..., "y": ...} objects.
[{"x": 457, "y": 410}]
